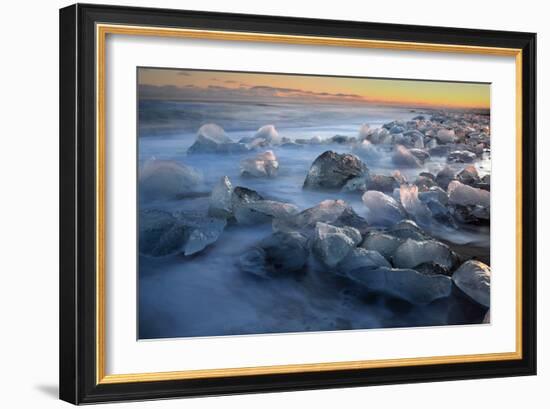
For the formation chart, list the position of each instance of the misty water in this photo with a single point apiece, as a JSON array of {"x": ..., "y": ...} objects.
[{"x": 206, "y": 294}]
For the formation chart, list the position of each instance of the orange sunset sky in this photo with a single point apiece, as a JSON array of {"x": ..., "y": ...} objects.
[{"x": 242, "y": 86}]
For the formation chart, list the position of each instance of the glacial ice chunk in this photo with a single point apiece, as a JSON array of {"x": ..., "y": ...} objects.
[
  {"x": 468, "y": 176},
  {"x": 445, "y": 136},
  {"x": 262, "y": 165},
  {"x": 203, "y": 232},
  {"x": 461, "y": 157},
  {"x": 250, "y": 208},
  {"x": 211, "y": 138},
  {"x": 464, "y": 195},
  {"x": 269, "y": 134},
  {"x": 286, "y": 252},
  {"x": 444, "y": 177},
  {"x": 366, "y": 150},
  {"x": 220, "y": 199},
  {"x": 383, "y": 210},
  {"x": 279, "y": 253},
  {"x": 163, "y": 179},
  {"x": 474, "y": 279},
  {"x": 406, "y": 284},
  {"x": 328, "y": 211},
  {"x": 403, "y": 157},
  {"x": 413, "y": 253},
  {"x": 414, "y": 139},
  {"x": 162, "y": 233},
  {"x": 383, "y": 243},
  {"x": 332, "y": 244},
  {"x": 364, "y": 132},
  {"x": 362, "y": 258},
  {"x": 416, "y": 208}
]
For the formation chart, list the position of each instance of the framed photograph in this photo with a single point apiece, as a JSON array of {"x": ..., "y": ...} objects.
[{"x": 257, "y": 203}]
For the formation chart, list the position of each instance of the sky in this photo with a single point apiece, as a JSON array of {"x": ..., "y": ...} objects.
[{"x": 198, "y": 85}]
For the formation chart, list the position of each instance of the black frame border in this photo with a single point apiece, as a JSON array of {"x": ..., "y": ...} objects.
[{"x": 78, "y": 210}]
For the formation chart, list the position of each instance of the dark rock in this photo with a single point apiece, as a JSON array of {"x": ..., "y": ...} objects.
[
  {"x": 444, "y": 177},
  {"x": 331, "y": 170},
  {"x": 351, "y": 219},
  {"x": 382, "y": 183},
  {"x": 461, "y": 157}
]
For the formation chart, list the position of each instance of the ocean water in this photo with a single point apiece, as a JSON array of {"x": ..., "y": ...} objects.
[{"x": 206, "y": 294}]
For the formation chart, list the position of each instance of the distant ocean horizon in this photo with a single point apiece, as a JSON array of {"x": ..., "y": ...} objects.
[{"x": 165, "y": 117}]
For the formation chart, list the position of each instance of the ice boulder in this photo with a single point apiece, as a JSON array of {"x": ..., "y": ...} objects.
[
  {"x": 383, "y": 183},
  {"x": 408, "y": 229},
  {"x": 396, "y": 129},
  {"x": 414, "y": 139},
  {"x": 203, "y": 231},
  {"x": 285, "y": 251},
  {"x": 362, "y": 258},
  {"x": 468, "y": 176},
  {"x": 163, "y": 179},
  {"x": 414, "y": 206},
  {"x": 364, "y": 132},
  {"x": 461, "y": 157},
  {"x": 380, "y": 136},
  {"x": 328, "y": 211},
  {"x": 445, "y": 136},
  {"x": 154, "y": 227},
  {"x": 279, "y": 253},
  {"x": 404, "y": 158},
  {"x": 356, "y": 184},
  {"x": 331, "y": 170},
  {"x": 366, "y": 150},
  {"x": 383, "y": 243},
  {"x": 262, "y": 165},
  {"x": 211, "y": 138},
  {"x": 220, "y": 199},
  {"x": 254, "y": 261},
  {"x": 162, "y": 233},
  {"x": 424, "y": 183},
  {"x": 406, "y": 284},
  {"x": 269, "y": 134},
  {"x": 332, "y": 244},
  {"x": 444, "y": 177},
  {"x": 420, "y": 154},
  {"x": 352, "y": 219},
  {"x": 382, "y": 210},
  {"x": 434, "y": 193},
  {"x": 413, "y": 253},
  {"x": 251, "y": 208},
  {"x": 464, "y": 195},
  {"x": 474, "y": 279}
]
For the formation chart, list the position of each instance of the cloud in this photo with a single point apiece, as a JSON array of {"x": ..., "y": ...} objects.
[{"x": 261, "y": 93}]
